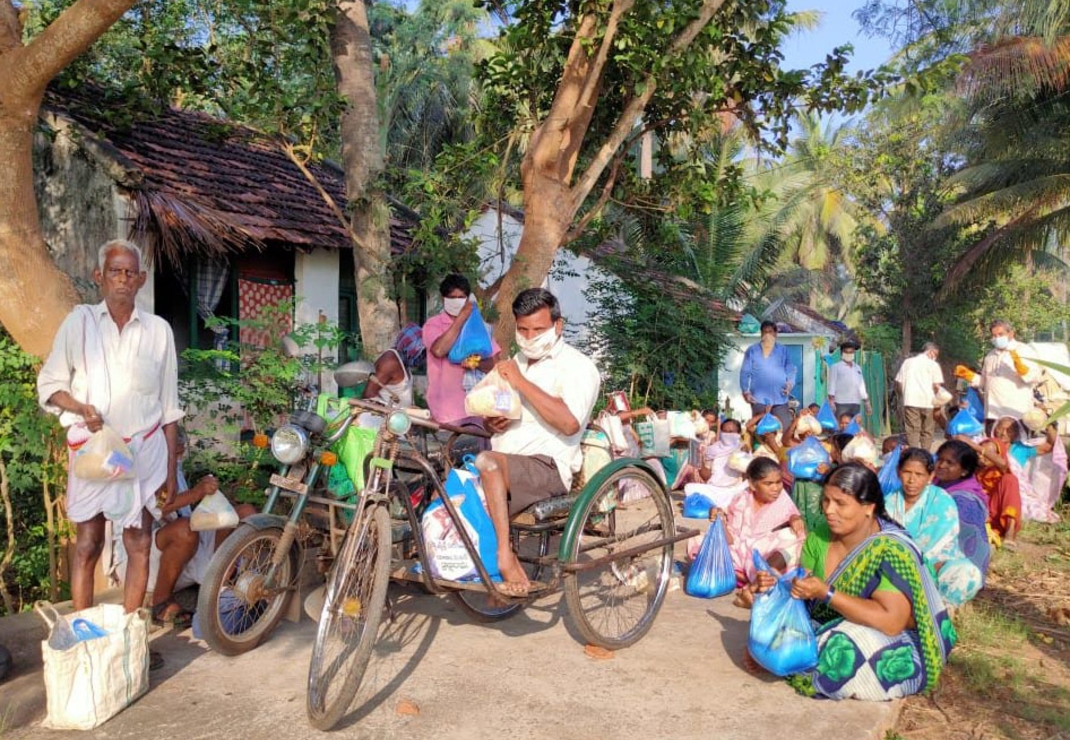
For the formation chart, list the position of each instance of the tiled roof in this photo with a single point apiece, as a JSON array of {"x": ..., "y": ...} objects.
[{"x": 208, "y": 186}]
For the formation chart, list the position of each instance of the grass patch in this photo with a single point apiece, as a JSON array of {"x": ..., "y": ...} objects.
[{"x": 983, "y": 626}]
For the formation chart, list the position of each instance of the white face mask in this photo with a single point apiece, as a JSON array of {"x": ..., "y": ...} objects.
[
  {"x": 731, "y": 438},
  {"x": 453, "y": 306},
  {"x": 539, "y": 346},
  {"x": 849, "y": 355},
  {"x": 1001, "y": 342}
]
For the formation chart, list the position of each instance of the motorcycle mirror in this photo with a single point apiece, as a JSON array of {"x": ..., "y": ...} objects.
[{"x": 353, "y": 374}]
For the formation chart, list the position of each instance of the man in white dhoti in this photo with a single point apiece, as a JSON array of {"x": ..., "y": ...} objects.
[{"x": 114, "y": 365}]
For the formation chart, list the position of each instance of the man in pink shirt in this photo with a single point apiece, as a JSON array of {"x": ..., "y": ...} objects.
[{"x": 445, "y": 389}]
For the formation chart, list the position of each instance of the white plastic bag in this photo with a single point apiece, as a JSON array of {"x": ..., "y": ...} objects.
[
  {"x": 662, "y": 438},
  {"x": 493, "y": 396},
  {"x": 680, "y": 424},
  {"x": 213, "y": 512},
  {"x": 88, "y": 682},
  {"x": 615, "y": 429},
  {"x": 597, "y": 453},
  {"x": 104, "y": 456}
]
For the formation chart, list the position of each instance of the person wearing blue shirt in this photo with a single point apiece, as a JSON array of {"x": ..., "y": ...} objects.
[{"x": 768, "y": 375}]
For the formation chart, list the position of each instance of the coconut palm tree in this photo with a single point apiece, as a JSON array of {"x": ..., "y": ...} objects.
[{"x": 1017, "y": 174}]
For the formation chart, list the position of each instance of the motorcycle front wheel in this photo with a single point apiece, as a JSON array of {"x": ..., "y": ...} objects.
[{"x": 235, "y": 608}]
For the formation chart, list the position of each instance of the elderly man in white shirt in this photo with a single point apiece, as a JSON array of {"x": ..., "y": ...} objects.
[
  {"x": 846, "y": 387},
  {"x": 919, "y": 379},
  {"x": 114, "y": 365},
  {"x": 1006, "y": 380},
  {"x": 535, "y": 457}
]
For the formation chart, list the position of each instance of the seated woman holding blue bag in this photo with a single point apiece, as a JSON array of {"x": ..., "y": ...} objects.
[
  {"x": 762, "y": 518},
  {"x": 883, "y": 631},
  {"x": 930, "y": 515}
]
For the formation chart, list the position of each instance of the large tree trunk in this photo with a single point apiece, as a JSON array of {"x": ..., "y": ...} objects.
[
  {"x": 548, "y": 212},
  {"x": 553, "y": 191},
  {"x": 34, "y": 294},
  {"x": 362, "y": 156}
]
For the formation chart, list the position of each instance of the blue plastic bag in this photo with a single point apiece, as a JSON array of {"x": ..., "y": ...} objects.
[
  {"x": 768, "y": 423},
  {"x": 712, "y": 574},
  {"x": 964, "y": 422},
  {"x": 449, "y": 558},
  {"x": 827, "y": 417},
  {"x": 974, "y": 404},
  {"x": 805, "y": 458},
  {"x": 889, "y": 473},
  {"x": 781, "y": 637},
  {"x": 853, "y": 429},
  {"x": 86, "y": 630},
  {"x": 697, "y": 506},
  {"x": 474, "y": 339}
]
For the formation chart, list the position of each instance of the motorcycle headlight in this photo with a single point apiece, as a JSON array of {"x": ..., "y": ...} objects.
[
  {"x": 290, "y": 444},
  {"x": 399, "y": 423}
]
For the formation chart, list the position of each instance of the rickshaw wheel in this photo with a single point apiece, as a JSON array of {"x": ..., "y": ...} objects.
[
  {"x": 233, "y": 612},
  {"x": 478, "y": 605},
  {"x": 613, "y": 604},
  {"x": 349, "y": 623}
]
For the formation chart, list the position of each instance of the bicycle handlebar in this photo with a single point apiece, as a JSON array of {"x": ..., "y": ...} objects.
[{"x": 383, "y": 410}]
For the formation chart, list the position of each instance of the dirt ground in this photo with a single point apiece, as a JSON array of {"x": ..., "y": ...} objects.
[
  {"x": 526, "y": 678},
  {"x": 1009, "y": 676}
]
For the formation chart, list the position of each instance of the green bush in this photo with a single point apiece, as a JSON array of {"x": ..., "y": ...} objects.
[
  {"x": 32, "y": 485},
  {"x": 223, "y": 390}
]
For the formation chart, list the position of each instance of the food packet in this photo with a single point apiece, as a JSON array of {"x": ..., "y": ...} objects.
[
  {"x": 104, "y": 456},
  {"x": 493, "y": 396}
]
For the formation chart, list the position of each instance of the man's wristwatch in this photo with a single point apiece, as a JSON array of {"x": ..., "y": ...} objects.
[{"x": 828, "y": 596}]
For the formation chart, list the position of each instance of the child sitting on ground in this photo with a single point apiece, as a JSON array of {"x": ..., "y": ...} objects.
[{"x": 762, "y": 518}]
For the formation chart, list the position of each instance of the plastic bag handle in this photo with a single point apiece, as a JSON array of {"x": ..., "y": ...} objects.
[{"x": 42, "y": 608}]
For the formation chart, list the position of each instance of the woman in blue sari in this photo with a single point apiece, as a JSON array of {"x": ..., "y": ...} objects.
[
  {"x": 956, "y": 463},
  {"x": 883, "y": 631},
  {"x": 930, "y": 516}
]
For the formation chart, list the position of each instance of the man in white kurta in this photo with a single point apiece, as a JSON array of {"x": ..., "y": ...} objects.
[
  {"x": 1006, "y": 379},
  {"x": 535, "y": 457},
  {"x": 114, "y": 365}
]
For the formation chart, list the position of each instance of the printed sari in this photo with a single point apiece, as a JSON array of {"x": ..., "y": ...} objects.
[
  {"x": 859, "y": 662},
  {"x": 763, "y": 529},
  {"x": 1003, "y": 491},
  {"x": 933, "y": 523},
  {"x": 973, "y": 520}
]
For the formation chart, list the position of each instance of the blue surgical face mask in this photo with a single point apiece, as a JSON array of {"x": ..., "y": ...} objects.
[{"x": 1001, "y": 342}]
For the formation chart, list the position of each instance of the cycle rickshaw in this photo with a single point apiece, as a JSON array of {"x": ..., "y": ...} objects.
[{"x": 612, "y": 558}]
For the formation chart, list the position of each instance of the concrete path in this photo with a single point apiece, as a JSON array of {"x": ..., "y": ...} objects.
[{"x": 526, "y": 678}]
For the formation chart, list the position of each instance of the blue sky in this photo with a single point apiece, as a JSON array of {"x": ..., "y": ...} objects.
[{"x": 837, "y": 28}]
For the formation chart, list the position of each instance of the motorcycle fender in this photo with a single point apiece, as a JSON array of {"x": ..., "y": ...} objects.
[{"x": 265, "y": 521}]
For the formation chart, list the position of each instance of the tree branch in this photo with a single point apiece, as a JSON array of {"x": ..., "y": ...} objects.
[
  {"x": 594, "y": 74},
  {"x": 637, "y": 105},
  {"x": 335, "y": 209},
  {"x": 10, "y": 27},
  {"x": 34, "y": 65},
  {"x": 607, "y": 190}
]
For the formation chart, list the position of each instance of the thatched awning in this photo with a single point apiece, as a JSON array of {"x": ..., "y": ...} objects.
[{"x": 210, "y": 188}]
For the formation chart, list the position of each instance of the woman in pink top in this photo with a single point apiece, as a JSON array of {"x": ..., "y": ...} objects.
[
  {"x": 445, "y": 380},
  {"x": 763, "y": 518}
]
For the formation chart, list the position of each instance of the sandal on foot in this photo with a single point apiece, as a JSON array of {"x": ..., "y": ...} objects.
[
  {"x": 514, "y": 589},
  {"x": 180, "y": 619}
]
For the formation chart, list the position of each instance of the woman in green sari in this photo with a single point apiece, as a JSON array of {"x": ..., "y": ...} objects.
[{"x": 883, "y": 631}]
